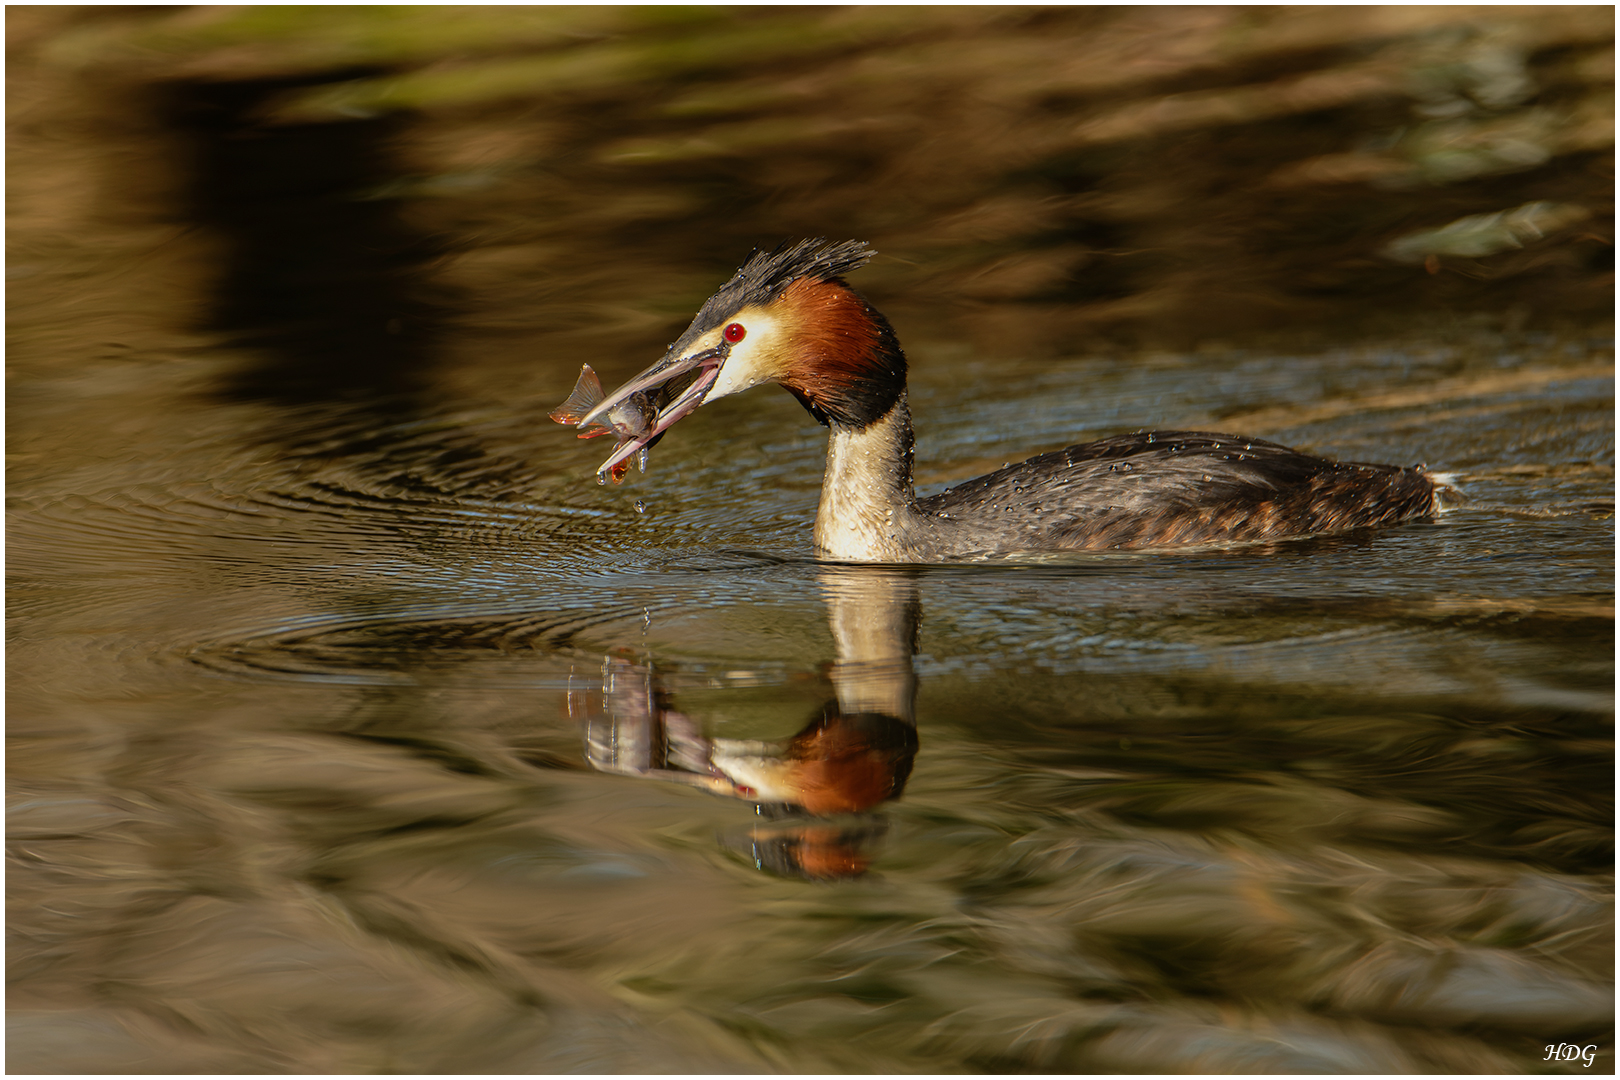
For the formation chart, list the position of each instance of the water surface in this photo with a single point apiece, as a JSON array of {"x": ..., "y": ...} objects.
[
  {"x": 315, "y": 615},
  {"x": 296, "y": 698}
]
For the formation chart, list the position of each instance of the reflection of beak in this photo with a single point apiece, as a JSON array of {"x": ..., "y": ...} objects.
[{"x": 660, "y": 376}]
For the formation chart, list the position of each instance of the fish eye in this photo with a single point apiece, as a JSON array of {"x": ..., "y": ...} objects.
[{"x": 735, "y": 332}]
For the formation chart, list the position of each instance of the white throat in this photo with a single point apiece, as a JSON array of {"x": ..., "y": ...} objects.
[{"x": 867, "y": 496}]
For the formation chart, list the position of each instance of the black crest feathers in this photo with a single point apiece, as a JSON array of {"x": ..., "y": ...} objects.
[{"x": 765, "y": 275}]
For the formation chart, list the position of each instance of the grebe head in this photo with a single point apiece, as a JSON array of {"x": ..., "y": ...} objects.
[{"x": 788, "y": 317}]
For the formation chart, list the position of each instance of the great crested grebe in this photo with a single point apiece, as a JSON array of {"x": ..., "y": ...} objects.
[{"x": 787, "y": 316}]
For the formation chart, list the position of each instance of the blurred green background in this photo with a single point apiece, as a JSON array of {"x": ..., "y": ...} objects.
[{"x": 1040, "y": 180}]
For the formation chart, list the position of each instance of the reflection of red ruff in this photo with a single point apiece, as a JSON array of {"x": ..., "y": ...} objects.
[
  {"x": 843, "y": 763},
  {"x": 825, "y": 852}
]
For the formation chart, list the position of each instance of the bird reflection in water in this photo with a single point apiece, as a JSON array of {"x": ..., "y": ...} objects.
[{"x": 817, "y": 792}]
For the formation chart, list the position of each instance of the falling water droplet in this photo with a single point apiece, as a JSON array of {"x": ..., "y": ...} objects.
[
  {"x": 601, "y": 478},
  {"x": 641, "y": 459},
  {"x": 641, "y": 507}
]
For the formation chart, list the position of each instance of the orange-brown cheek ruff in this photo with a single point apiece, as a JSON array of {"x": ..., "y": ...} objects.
[{"x": 840, "y": 357}]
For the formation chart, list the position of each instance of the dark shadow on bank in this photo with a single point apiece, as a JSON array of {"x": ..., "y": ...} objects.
[{"x": 323, "y": 285}]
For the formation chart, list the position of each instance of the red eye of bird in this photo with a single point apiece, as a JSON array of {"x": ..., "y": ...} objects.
[{"x": 735, "y": 332}]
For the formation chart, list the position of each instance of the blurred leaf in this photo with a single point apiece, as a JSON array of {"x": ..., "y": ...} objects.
[{"x": 1479, "y": 235}]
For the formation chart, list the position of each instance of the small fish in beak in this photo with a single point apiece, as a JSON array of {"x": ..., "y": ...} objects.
[
  {"x": 629, "y": 418},
  {"x": 642, "y": 409}
]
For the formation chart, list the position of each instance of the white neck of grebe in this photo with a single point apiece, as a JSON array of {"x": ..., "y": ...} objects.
[{"x": 867, "y": 498}]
